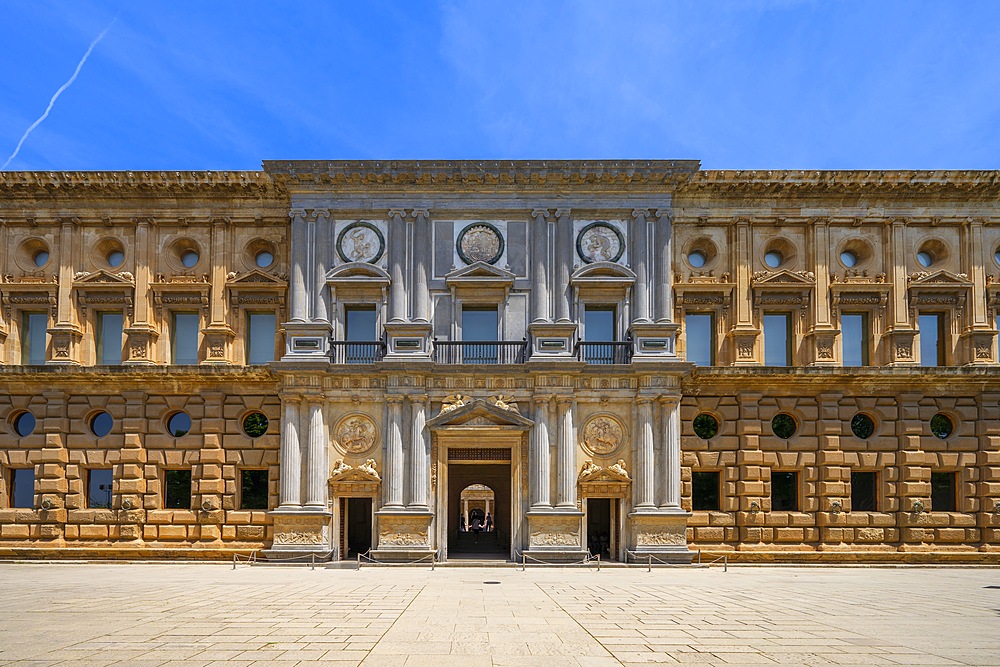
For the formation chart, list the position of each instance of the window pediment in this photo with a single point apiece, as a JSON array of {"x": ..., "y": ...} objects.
[
  {"x": 480, "y": 274},
  {"x": 358, "y": 273}
]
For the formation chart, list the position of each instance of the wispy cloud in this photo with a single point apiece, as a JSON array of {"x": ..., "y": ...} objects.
[{"x": 59, "y": 92}]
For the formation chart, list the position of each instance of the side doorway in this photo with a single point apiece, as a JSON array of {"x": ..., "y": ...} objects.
[
  {"x": 355, "y": 527},
  {"x": 603, "y": 527}
]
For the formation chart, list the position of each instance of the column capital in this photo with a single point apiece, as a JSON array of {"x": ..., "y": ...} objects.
[
  {"x": 420, "y": 214},
  {"x": 314, "y": 214},
  {"x": 663, "y": 214},
  {"x": 669, "y": 400},
  {"x": 221, "y": 220},
  {"x": 565, "y": 400},
  {"x": 394, "y": 398},
  {"x": 292, "y": 399},
  {"x": 540, "y": 213},
  {"x": 640, "y": 214},
  {"x": 142, "y": 220},
  {"x": 396, "y": 214},
  {"x": 645, "y": 400},
  {"x": 563, "y": 213},
  {"x": 299, "y": 213},
  {"x": 417, "y": 398},
  {"x": 69, "y": 220}
]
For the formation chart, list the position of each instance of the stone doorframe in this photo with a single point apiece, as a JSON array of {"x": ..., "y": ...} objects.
[
  {"x": 492, "y": 432},
  {"x": 341, "y": 488},
  {"x": 613, "y": 483}
]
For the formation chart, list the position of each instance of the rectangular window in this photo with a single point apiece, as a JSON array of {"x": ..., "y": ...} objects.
[
  {"x": 33, "y": 326},
  {"x": 705, "y": 492},
  {"x": 184, "y": 338},
  {"x": 854, "y": 334},
  {"x": 944, "y": 492},
  {"x": 110, "y": 327},
  {"x": 22, "y": 487},
  {"x": 700, "y": 334},
  {"x": 177, "y": 489},
  {"x": 784, "y": 491},
  {"x": 599, "y": 324},
  {"x": 480, "y": 324},
  {"x": 864, "y": 492},
  {"x": 931, "y": 339},
  {"x": 99, "y": 487},
  {"x": 253, "y": 489},
  {"x": 261, "y": 329},
  {"x": 778, "y": 339},
  {"x": 359, "y": 324}
]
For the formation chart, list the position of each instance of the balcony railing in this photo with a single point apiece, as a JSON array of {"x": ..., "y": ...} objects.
[
  {"x": 605, "y": 353},
  {"x": 480, "y": 352},
  {"x": 356, "y": 352}
]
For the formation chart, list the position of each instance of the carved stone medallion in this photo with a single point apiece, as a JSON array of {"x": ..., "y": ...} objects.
[
  {"x": 600, "y": 242},
  {"x": 360, "y": 242},
  {"x": 356, "y": 433},
  {"x": 480, "y": 242},
  {"x": 603, "y": 435}
]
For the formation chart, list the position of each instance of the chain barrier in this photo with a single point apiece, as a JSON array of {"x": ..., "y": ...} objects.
[
  {"x": 587, "y": 561},
  {"x": 249, "y": 560},
  {"x": 634, "y": 557},
  {"x": 367, "y": 559}
]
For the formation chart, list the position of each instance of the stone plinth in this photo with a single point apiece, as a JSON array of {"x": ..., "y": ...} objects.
[
  {"x": 555, "y": 536},
  {"x": 661, "y": 535},
  {"x": 300, "y": 534},
  {"x": 403, "y": 536}
]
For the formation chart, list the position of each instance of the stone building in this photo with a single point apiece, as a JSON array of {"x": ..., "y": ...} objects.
[{"x": 637, "y": 358}]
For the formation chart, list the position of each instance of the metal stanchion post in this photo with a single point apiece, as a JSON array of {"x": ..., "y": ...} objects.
[{"x": 649, "y": 563}]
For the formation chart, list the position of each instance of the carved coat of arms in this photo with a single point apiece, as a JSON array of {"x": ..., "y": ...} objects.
[{"x": 480, "y": 242}]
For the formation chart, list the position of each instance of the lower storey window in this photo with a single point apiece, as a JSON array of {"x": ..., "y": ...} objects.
[
  {"x": 864, "y": 492},
  {"x": 22, "y": 487},
  {"x": 944, "y": 491},
  {"x": 705, "y": 493},
  {"x": 784, "y": 491},
  {"x": 253, "y": 489},
  {"x": 99, "y": 484},
  {"x": 177, "y": 489}
]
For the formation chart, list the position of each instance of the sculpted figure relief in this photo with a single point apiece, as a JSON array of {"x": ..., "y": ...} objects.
[
  {"x": 603, "y": 435},
  {"x": 480, "y": 243},
  {"x": 356, "y": 434},
  {"x": 453, "y": 401},
  {"x": 600, "y": 242},
  {"x": 360, "y": 242}
]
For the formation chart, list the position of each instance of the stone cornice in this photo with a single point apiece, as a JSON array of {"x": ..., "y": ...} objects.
[
  {"x": 48, "y": 184},
  {"x": 305, "y": 175},
  {"x": 980, "y": 184}
]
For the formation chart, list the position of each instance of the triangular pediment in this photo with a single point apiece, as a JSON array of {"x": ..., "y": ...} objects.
[
  {"x": 358, "y": 272},
  {"x": 603, "y": 272},
  {"x": 939, "y": 279},
  {"x": 256, "y": 278},
  {"x": 784, "y": 279},
  {"x": 355, "y": 475},
  {"x": 476, "y": 412},
  {"x": 480, "y": 272},
  {"x": 102, "y": 277}
]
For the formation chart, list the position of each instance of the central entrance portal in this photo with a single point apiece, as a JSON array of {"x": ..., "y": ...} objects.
[{"x": 479, "y": 510}]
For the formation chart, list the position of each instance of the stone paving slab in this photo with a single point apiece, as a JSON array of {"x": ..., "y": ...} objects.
[{"x": 211, "y": 615}]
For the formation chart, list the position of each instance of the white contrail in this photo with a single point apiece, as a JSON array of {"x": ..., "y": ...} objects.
[{"x": 58, "y": 93}]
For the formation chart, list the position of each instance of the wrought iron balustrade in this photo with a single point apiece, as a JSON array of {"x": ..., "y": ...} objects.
[
  {"x": 480, "y": 352},
  {"x": 618, "y": 352},
  {"x": 356, "y": 352}
]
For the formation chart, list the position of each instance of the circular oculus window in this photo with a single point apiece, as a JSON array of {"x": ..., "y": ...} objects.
[
  {"x": 255, "y": 424},
  {"x": 179, "y": 424},
  {"x": 697, "y": 259},
  {"x": 115, "y": 258},
  {"x": 784, "y": 426},
  {"x": 849, "y": 259},
  {"x": 189, "y": 258},
  {"x": 264, "y": 259},
  {"x": 942, "y": 426},
  {"x": 773, "y": 258},
  {"x": 23, "y": 423},
  {"x": 862, "y": 426},
  {"x": 101, "y": 423},
  {"x": 705, "y": 426},
  {"x": 40, "y": 258},
  {"x": 925, "y": 259}
]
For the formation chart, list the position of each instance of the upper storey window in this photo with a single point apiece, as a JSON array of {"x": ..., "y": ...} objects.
[
  {"x": 184, "y": 338},
  {"x": 854, "y": 333},
  {"x": 359, "y": 323},
  {"x": 599, "y": 324},
  {"x": 700, "y": 335},
  {"x": 261, "y": 329},
  {"x": 777, "y": 339},
  {"x": 109, "y": 338},
  {"x": 931, "y": 339},
  {"x": 33, "y": 331}
]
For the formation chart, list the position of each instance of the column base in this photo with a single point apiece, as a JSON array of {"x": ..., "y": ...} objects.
[
  {"x": 307, "y": 341},
  {"x": 555, "y": 535},
  {"x": 300, "y": 532},
  {"x": 403, "y": 535},
  {"x": 661, "y": 534},
  {"x": 550, "y": 341},
  {"x": 407, "y": 341}
]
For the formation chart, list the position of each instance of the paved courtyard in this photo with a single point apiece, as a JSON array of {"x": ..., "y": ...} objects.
[{"x": 172, "y": 615}]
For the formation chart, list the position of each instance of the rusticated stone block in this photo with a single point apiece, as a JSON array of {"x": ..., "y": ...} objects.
[{"x": 249, "y": 532}]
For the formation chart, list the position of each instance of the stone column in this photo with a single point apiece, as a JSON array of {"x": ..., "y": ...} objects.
[
  {"x": 420, "y": 455},
  {"x": 644, "y": 482},
  {"x": 639, "y": 258},
  {"x": 397, "y": 265},
  {"x": 421, "y": 257},
  {"x": 465, "y": 513},
  {"x": 322, "y": 247},
  {"x": 291, "y": 462},
  {"x": 539, "y": 266},
  {"x": 297, "y": 285},
  {"x": 565, "y": 248},
  {"x": 566, "y": 454},
  {"x": 670, "y": 452},
  {"x": 539, "y": 470},
  {"x": 317, "y": 463},
  {"x": 217, "y": 272},
  {"x": 662, "y": 307},
  {"x": 393, "y": 481}
]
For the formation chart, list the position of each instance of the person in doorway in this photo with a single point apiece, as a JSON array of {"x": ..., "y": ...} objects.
[
  {"x": 489, "y": 522},
  {"x": 477, "y": 526},
  {"x": 461, "y": 523}
]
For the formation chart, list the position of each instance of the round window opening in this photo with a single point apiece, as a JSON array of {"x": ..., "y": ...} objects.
[
  {"x": 179, "y": 424},
  {"x": 848, "y": 259},
  {"x": 925, "y": 258},
  {"x": 255, "y": 424},
  {"x": 264, "y": 259},
  {"x": 941, "y": 426},
  {"x": 115, "y": 258},
  {"x": 862, "y": 426},
  {"x": 101, "y": 423},
  {"x": 40, "y": 258},
  {"x": 697, "y": 259},
  {"x": 24, "y": 424},
  {"x": 773, "y": 259},
  {"x": 784, "y": 425},
  {"x": 996, "y": 256},
  {"x": 189, "y": 258},
  {"x": 705, "y": 426}
]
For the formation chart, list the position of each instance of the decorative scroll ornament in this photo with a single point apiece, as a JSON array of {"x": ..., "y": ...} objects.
[
  {"x": 356, "y": 434},
  {"x": 480, "y": 242},
  {"x": 600, "y": 242},
  {"x": 360, "y": 242},
  {"x": 454, "y": 401},
  {"x": 505, "y": 403},
  {"x": 603, "y": 435}
]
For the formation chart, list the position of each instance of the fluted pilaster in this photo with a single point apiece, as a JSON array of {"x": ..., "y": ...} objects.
[
  {"x": 566, "y": 455},
  {"x": 393, "y": 482},
  {"x": 539, "y": 465},
  {"x": 290, "y": 480},
  {"x": 420, "y": 454}
]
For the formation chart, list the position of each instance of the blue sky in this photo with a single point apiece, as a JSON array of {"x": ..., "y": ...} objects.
[{"x": 738, "y": 85}]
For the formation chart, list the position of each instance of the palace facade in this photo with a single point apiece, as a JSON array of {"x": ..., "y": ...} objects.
[{"x": 633, "y": 358}]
